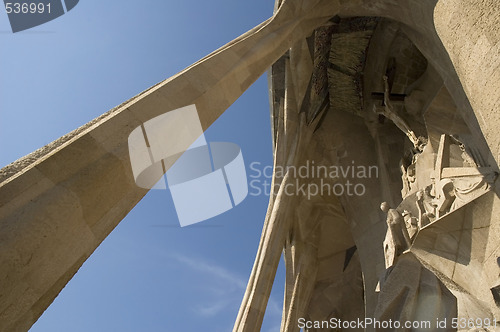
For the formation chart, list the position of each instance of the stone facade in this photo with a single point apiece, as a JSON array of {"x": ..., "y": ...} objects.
[{"x": 408, "y": 87}]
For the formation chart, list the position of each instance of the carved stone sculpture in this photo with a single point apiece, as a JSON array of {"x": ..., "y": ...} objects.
[
  {"x": 412, "y": 224},
  {"x": 388, "y": 112},
  {"x": 397, "y": 239}
]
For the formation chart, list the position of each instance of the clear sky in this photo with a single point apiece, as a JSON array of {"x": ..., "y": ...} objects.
[{"x": 149, "y": 274}]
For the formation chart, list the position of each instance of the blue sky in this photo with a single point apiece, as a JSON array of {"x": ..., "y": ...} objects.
[{"x": 149, "y": 274}]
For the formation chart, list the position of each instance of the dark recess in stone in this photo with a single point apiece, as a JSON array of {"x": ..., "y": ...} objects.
[
  {"x": 496, "y": 294},
  {"x": 348, "y": 255}
]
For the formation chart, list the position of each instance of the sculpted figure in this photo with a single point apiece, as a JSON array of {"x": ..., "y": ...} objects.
[
  {"x": 388, "y": 112},
  {"x": 411, "y": 224},
  {"x": 397, "y": 239},
  {"x": 426, "y": 210},
  {"x": 445, "y": 195},
  {"x": 467, "y": 189}
]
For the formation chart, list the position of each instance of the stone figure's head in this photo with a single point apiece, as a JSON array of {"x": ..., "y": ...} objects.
[
  {"x": 420, "y": 194},
  {"x": 385, "y": 207}
]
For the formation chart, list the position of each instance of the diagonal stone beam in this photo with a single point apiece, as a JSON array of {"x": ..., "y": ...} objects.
[{"x": 60, "y": 202}]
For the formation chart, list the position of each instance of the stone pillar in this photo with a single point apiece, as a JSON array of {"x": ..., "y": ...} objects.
[{"x": 470, "y": 32}]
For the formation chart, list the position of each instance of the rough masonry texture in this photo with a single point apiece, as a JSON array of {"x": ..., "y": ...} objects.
[{"x": 409, "y": 87}]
